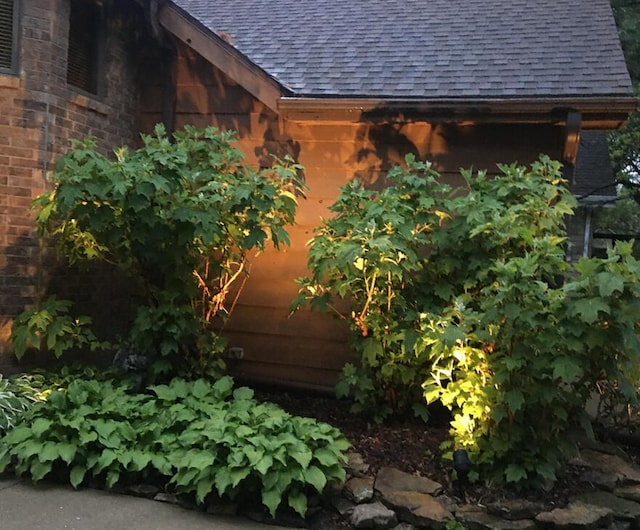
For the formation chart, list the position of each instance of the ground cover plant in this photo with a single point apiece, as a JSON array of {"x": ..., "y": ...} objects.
[
  {"x": 193, "y": 437},
  {"x": 467, "y": 298},
  {"x": 180, "y": 218}
]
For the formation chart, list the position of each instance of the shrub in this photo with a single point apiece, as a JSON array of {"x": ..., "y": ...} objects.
[
  {"x": 50, "y": 327},
  {"x": 482, "y": 309},
  {"x": 196, "y": 438},
  {"x": 180, "y": 218}
]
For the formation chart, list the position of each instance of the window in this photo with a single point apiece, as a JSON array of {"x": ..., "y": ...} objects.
[
  {"x": 8, "y": 36},
  {"x": 85, "y": 46}
]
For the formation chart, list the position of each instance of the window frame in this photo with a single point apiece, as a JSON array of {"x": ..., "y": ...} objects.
[{"x": 14, "y": 67}]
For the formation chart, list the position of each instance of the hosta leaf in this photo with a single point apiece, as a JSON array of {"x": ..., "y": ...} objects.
[
  {"x": 204, "y": 487},
  {"x": 298, "y": 501},
  {"x": 76, "y": 476},
  {"x": 325, "y": 456},
  {"x": 238, "y": 474},
  {"x": 271, "y": 499},
  {"x": 40, "y": 426},
  {"x": 39, "y": 469},
  {"x": 302, "y": 456},
  {"x": 315, "y": 477},
  {"x": 200, "y": 389},
  {"x": 48, "y": 452},
  {"x": 264, "y": 464},
  {"x": 242, "y": 393}
]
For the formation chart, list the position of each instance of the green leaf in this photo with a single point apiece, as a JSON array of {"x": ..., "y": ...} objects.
[
  {"x": 609, "y": 283},
  {"x": 243, "y": 393},
  {"x": 204, "y": 487},
  {"x": 271, "y": 499},
  {"x": 515, "y": 473},
  {"x": 298, "y": 501},
  {"x": 514, "y": 400},
  {"x": 567, "y": 369},
  {"x": 39, "y": 469},
  {"x": 76, "y": 476},
  {"x": 588, "y": 309},
  {"x": 315, "y": 477}
]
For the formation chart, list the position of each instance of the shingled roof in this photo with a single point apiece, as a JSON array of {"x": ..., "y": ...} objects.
[{"x": 425, "y": 48}]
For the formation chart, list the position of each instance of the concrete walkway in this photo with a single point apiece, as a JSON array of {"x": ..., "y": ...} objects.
[{"x": 25, "y": 506}]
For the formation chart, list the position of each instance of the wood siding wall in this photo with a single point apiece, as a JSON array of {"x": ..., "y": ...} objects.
[{"x": 309, "y": 349}]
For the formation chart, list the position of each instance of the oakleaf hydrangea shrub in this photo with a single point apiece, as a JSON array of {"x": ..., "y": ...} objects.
[
  {"x": 192, "y": 437},
  {"x": 466, "y": 295},
  {"x": 180, "y": 217}
]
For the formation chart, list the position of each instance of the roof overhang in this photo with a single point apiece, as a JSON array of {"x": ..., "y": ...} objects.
[
  {"x": 596, "y": 112},
  {"x": 602, "y": 112}
]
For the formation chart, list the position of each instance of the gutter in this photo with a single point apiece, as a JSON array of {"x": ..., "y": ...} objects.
[{"x": 607, "y": 112}]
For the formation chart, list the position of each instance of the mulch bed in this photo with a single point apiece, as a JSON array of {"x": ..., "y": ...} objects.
[{"x": 414, "y": 447}]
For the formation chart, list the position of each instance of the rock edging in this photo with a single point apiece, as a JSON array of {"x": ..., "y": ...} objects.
[{"x": 401, "y": 501}]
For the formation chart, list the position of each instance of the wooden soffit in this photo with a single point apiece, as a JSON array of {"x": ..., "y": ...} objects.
[
  {"x": 596, "y": 113},
  {"x": 221, "y": 54}
]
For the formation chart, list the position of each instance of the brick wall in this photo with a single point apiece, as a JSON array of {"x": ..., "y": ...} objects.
[{"x": 39, "y": 115}]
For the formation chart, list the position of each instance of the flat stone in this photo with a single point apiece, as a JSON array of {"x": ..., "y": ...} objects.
[
  {"x": 147, "y": 491},
  {"x": 373, "y": 515},
  {"x": 631, "y": 492},
  {"x": 600, "y": 479},
  {"x": 355, "y": 465},
  {"x": 420, "y": 509},
  {"x": 576, "y": 516},
  {"x": 480, "y": 520},
  {"x": 342, "y": 505},
  {"x": 391, "y": 480},
  {"x": 515, "y": 509},
  {"x": 359, "y": 490},
  {"x": 607, "y": 463},
  {"x": 622, "y": 508},
  {"x": 404, "y": 526}
]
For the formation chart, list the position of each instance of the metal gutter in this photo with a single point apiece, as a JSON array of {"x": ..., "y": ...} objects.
[{"x": 607, "y": 112}]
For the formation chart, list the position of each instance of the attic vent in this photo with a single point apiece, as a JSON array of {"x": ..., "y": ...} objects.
[
  {"x": 84, "y": 46},
  {"x": 8, "y": 34}
]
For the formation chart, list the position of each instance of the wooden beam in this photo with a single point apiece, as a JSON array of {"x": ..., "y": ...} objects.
[
  {"x": 571, "y": 137},
  {"x": 222, "y": 55}
]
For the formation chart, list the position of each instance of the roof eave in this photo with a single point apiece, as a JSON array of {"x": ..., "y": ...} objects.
[
  {"x": 222, "y": 55},
  {"x": 602, "y": 112}
]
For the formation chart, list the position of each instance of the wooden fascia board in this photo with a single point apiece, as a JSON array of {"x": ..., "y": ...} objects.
[
  {"x": 221, "y": 55},
  {"x": 596, "y": 112}
]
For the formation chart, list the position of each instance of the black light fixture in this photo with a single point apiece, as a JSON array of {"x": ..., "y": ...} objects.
[{"x": 461, "y": 464}]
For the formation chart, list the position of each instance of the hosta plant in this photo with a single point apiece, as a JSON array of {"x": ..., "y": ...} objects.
[{"x": 193, "y": 437}]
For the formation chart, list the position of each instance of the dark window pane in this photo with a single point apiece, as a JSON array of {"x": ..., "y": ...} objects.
[{"x": 84, "y": 34}]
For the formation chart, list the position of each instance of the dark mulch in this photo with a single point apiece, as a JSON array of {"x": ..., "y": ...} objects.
[{"x": 414, "y": 447}]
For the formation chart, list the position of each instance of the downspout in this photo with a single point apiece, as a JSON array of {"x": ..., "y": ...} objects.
[
  {"x": 586, "y": 242},
  {"x": 168, "y": 60}
]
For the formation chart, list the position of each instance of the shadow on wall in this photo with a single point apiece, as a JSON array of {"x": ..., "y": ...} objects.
[
  {"x": 31, "y": 273},
  {"x": 213, "y": 98},
  {"x": 385, "y": 137}
]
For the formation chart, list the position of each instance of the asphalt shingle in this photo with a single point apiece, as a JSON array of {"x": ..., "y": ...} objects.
[{"x": 426, "y": 48}]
